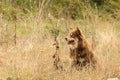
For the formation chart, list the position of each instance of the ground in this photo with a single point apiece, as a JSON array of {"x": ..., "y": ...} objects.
[{"x": 31, "y": 58}]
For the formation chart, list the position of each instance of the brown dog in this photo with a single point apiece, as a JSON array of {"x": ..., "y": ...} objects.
[{"x": 80, "y": 51}]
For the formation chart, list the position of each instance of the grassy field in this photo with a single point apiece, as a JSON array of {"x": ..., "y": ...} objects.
[
  {"x": 31, "y": 57},
  {"x": 26, "y": 46}
]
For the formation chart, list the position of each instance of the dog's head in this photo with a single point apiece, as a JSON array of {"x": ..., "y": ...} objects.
[
  {"x": 74, "y": 36},
  {"x": 75, "y": 33}
]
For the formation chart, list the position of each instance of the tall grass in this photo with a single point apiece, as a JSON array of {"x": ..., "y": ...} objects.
[{"x": 31, "y": 57}]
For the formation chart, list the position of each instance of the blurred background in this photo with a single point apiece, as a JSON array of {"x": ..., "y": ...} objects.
[{"x": 28, "y": 29}]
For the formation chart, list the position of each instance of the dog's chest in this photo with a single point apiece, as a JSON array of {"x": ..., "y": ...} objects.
[{"x": 81, "y": 52}]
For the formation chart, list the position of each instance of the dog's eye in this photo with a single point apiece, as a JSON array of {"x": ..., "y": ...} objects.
[{"x": 71, "y": 35}]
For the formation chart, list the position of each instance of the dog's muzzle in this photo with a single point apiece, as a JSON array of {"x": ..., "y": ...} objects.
[{"x": 70, "y": 41}]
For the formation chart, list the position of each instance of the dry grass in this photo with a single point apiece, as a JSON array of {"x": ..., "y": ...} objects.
[{"x": 31, "y": 57}]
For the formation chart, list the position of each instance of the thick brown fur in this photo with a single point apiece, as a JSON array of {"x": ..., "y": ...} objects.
[{"x": 81, "y": 52}]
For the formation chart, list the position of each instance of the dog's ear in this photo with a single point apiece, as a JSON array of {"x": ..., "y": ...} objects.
[
  {"x": 79, "y": 32},
  {"x": 71, "y": 28}
]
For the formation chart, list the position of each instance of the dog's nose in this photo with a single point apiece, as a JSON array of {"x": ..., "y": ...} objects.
[{"x": 66, "y": 39}]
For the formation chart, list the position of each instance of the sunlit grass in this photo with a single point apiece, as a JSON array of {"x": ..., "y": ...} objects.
[{"x": 31, "y": 57}]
